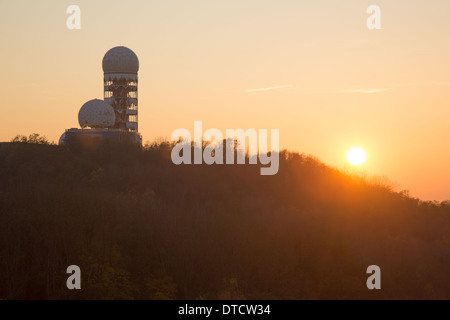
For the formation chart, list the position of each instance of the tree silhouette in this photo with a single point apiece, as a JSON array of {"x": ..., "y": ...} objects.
[{"x": 141, "y": 227}]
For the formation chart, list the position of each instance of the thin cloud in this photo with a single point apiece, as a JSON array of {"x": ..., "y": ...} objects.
[
  {"x": 364, "y": 91},
  {"x": 270, "y": 88}
]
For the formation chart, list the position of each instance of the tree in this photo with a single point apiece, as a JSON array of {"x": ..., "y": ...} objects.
[{"x": 34, "y": 138}]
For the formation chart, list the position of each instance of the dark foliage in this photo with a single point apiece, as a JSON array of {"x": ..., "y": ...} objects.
[{"x": 142, "y": 228}]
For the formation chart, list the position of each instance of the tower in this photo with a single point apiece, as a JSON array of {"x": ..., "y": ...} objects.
[
  {"x": 116, "y": 118},
  {"x": 120, "y": 67}
]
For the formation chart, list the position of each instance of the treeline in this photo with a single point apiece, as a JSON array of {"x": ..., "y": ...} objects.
[{"x": 140, "y": 227}]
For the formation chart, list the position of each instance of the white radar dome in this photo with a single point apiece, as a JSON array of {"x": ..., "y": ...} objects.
[
  {"x": 62, "y": 139},
  {"x": 96, "y": 114},
  {"x": 120, "y": 60}
]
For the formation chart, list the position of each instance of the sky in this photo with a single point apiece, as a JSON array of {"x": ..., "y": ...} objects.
[{"x": 310, "y": 68}]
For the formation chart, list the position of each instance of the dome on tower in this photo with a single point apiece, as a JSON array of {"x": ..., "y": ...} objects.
[
  {"x": 96, "y": 114},
  {"x": 120, "y": 60}
]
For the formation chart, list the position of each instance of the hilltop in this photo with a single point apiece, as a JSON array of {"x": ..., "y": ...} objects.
[{"x": 140, "y": 227}]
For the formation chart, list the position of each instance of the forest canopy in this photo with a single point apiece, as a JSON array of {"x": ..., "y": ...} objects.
[{"x": 141, "y": 227}]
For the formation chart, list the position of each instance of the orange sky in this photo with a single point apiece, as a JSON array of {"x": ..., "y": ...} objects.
[{"x": 339, "y": 84}]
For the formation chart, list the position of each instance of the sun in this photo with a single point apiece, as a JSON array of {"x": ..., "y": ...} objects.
[{"x": 356, "y": 156}]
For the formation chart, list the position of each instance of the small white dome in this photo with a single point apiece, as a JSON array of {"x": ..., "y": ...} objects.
[
  {"x": 62, "y": 140},
  {"x": 96, "y": 114},
  {"x": 120, "y": 60}
]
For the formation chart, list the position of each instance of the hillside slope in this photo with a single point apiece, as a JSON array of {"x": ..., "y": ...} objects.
[{"x": 142, "y": 228}]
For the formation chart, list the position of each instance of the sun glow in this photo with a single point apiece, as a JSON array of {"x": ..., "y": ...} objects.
[{"x": 356, "y": 156}]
